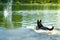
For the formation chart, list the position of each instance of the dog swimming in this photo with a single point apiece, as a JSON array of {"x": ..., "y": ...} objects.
[{"x": 40, "y": 26}]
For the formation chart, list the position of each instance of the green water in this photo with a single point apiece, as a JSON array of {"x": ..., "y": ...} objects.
[
  {"x": 26, "y": 18},
  {"x": 48, "y": 17},
  {"x": 1, "y": 19},
  {"x": 29, "y": 18},
  {"x": 35, "y": 7},
  {"x": 25, "y": 15},
  {"x": 17, "y": 19}
]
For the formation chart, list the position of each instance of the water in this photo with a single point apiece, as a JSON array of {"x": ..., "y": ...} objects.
[
  {"x": 8, "y": 14},
  {"x": 48, "y": 17},
  {"x": 1, "y": 19},
  {"x": 24, "y": 22},
  {"x": 28, "y": 22}
]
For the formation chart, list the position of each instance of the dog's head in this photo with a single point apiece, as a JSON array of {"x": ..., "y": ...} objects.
[{"x": 38, "y": 22}]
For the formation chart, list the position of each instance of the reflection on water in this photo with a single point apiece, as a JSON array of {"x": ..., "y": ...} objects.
[
  {"x": 25, "y": 19},
  {"x": 48, "y": 17},
  {"x": 17, "y": 19},
  {"x": 8, "y": 14},
  {"x": 1, "y": 19},
  {"x": 36, "y": 7}
]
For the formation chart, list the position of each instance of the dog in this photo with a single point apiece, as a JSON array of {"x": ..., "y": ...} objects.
[{"x": 40, "y": 26}]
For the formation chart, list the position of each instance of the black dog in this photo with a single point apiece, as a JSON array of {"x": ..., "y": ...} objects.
[{"x": 40, "y": 26}]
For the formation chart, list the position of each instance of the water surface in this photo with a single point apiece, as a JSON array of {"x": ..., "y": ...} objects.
[{"x": 25, "y": 21}]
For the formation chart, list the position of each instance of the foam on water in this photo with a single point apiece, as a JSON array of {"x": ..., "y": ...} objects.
[
  {"x": 53, "y": 32},
  {"x": 28, "y": 33}
]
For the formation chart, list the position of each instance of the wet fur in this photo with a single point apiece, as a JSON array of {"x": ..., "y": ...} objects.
[{"x": 39, "y": 25}]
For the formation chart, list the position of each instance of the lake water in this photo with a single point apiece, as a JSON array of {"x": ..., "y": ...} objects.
[{"x": 24, "y": 23}]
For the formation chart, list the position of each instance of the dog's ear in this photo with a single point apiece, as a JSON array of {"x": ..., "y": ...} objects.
[
  {"x": 37, "y": 21},
  {"x": 40, "y": 20}
]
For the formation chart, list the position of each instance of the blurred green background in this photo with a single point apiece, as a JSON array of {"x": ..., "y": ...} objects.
[{"x": 18, "y": 5}]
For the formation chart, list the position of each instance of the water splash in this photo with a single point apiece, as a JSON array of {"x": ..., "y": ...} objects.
[
  {"x": 8, "y": 14},
  {"x": 53, "y": 32}
]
